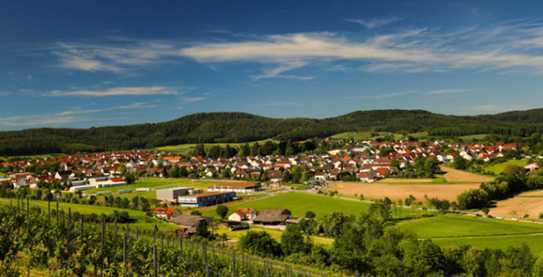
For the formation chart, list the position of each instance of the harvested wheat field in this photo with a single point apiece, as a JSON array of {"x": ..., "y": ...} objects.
[
  {"x": 459, "y": 176},
  {"x": 402, "y": 191},
  {"x": 457, "y": 181},
  {"x": 527, "y": 203}
]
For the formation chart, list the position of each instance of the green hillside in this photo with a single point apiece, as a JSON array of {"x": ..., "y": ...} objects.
[{"x": 243, "y": 127}]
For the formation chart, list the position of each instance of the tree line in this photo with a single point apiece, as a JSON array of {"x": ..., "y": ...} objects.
[{"x": 369, "y": 245}]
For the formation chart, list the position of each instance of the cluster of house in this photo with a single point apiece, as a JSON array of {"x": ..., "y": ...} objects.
[
  {"x": 240, "y": 219},
  {"x": 368, "y": 161}
]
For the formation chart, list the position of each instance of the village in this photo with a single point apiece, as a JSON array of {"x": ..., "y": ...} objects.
[{"x": 365, "y": 161}]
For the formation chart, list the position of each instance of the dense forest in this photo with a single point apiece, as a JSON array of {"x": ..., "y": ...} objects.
[{"x": 242, "y": 127}]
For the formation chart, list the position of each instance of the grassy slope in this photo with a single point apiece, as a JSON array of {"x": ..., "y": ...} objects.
[
  {"x": 300, "y": 202},
  {"x": 454, "y": 230},
  {"x": 142, "y": 221},
  {"x": 365, "y": 135},
  {"x": 499, "y": 168},
  {"x": 186, "y": 149}
]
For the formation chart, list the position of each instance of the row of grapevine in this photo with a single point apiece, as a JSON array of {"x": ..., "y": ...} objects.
[{"x": 62, "y": 243}]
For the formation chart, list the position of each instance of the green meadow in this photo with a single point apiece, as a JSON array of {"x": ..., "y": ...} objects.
[
  {"x": 301, "y": 202},
  {"x": 498, "y": 168},
  {"x": 454, "y": 230},
  {"x": 366, "y": 135}
]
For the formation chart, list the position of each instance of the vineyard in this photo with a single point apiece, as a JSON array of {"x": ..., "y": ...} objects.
[{"x": 59, "y": 243}]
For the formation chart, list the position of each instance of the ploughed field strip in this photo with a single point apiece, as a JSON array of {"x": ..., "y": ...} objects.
[
  {"x": 456, "y": 182},
  {"x": 527, "y": 204}
]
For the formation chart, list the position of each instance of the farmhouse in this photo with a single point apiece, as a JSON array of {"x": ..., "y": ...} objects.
[
  {"x": 532, "y": 167},
  {"x": 22, "y": 179},
  {"x": 272, "y": 217},
  {"x": 206, "y": 199},
  {"x": 171, "y": 195},
  {"x": 239, "y": 187},
  {"x": 190, "y": 223},
  {"x": 243, "y": 214},
  {"x": 165, "y": 213},
  {"x": 5, "y": 181}
]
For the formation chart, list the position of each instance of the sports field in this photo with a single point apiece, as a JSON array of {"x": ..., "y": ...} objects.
[
  {"x": 154, "y": 183},
  {"x": 301, "y": 202},
  {"x": 453, "y": 230}
]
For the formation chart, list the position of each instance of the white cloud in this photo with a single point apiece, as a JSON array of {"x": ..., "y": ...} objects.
[
  {"x": 374, "y": 22},
  {"x": 116, "y": 91}
]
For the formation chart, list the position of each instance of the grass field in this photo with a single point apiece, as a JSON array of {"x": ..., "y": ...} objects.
[
  {"x": 361, "y": 135},
  {"x": 454, "y": 230},
  {"x": 300, "y": 202},
  {"x": 187, "y": 149},
  {"x": 366, "y": 135},
  {"x": 142, "y": 221},
  {"x": 154, "y": 183},
  {"x": 500, "y": 167},
  {"x": 471, "y": 138}
]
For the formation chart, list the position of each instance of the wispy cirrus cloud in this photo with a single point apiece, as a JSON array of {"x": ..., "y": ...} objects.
[
  {"x": 506, "y": 46},
  {"x": 277, "y": 72},
  {"x": 68, "y": 116},
  {"x": 114, "y": 57},
  {"x": 116, "y": 91},
  {"x": 410, "y": 51},
  {"x": 374, "y": 22},
  {"x": 435, "y": 92}
]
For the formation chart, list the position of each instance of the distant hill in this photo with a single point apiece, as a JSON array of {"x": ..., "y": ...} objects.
[{"x": 242, "y": 127}]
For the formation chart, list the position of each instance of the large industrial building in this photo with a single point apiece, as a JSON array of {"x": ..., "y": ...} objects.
[
  {"x": 206, "y": 199},
  {"x": 171, "y": 195}
]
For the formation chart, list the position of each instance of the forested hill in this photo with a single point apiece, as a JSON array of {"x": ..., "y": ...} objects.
[{"x": 240, "y": 127}]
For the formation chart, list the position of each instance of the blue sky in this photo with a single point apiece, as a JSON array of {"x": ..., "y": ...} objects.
[{"x": 95, "y": 63}]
